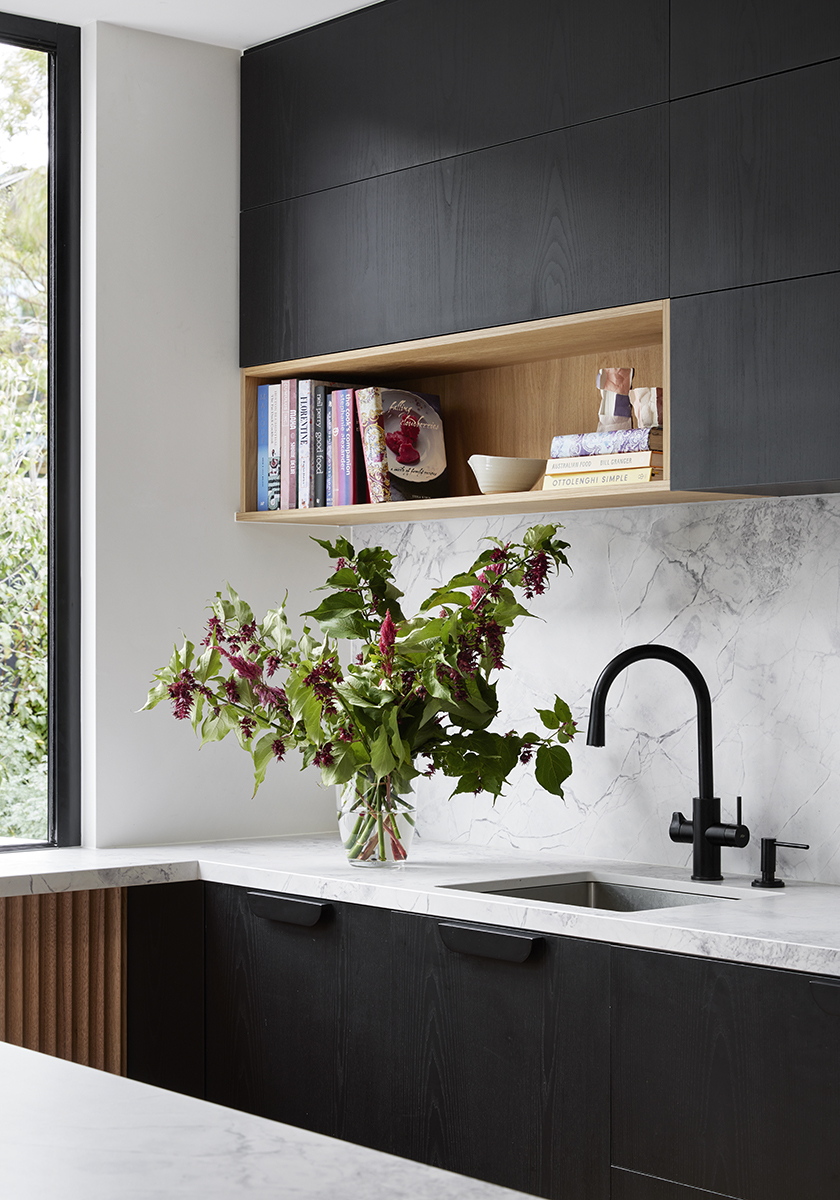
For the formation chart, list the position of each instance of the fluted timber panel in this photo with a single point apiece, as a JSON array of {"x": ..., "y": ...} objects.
[{"x": 62, "y": 987}]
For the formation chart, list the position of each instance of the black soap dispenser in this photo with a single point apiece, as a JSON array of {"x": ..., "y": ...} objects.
[{"x": 768, "y": 862}]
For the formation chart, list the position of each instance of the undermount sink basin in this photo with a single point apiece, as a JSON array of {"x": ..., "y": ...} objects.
[{"x": 590, "y": 891}]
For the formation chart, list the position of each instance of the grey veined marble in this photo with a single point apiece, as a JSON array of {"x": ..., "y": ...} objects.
[
  {"x": 73, "y": 1133},
  {"x": 750, "y": 590}
]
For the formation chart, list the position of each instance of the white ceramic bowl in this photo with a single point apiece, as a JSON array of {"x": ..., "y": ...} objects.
[{"x": 498, "y": 474}]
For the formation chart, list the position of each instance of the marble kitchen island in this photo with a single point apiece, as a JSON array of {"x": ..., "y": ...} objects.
[{"x": 69, "y": 1132}]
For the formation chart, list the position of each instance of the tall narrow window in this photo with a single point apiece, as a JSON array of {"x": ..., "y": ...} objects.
[
  {"x": 39, "y": 451},
  {"x": 24, "y": 492}
]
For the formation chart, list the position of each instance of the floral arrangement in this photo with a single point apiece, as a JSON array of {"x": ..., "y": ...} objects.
[{"x": 408, "y": 697}]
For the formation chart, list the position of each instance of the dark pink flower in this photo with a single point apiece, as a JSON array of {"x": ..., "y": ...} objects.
[
  {"x": 271, "y": 697},
  {"x": 278, "y": 749},
  {"x": 181, "y": 693},
  {"x": 387, "y": 637},
  {"x": 247, "y": 725},
  {"x": 321, "y": 680},
  {"x": 324, "y": 756},
  {"x": 244, "y": 668},
  {"x": 271, "y": 664},
  {"x": 536, "y": 572},
  {"x": 215, "y": 631},
  {"x": 231, "y": 690}
]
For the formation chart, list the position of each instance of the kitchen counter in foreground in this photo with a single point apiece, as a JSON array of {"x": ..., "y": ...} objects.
[
  {"x": 74, "y": 1133},
  {"x": 797, "y": 927}
]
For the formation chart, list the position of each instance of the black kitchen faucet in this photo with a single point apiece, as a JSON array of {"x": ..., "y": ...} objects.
[{"x": 704, "y": 831}]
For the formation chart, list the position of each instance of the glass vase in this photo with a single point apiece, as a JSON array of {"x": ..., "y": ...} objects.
[{"x": 376, "y": 823}]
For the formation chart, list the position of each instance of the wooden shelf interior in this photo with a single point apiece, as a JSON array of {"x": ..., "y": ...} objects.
[{"x": 503, "y": 391}]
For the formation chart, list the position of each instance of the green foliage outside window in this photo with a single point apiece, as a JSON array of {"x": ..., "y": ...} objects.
[{"x": 23, "y": 448}]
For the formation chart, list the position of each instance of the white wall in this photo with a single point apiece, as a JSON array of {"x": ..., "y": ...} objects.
[
  {"x": 750, "y": 590},
  {"x": 161, "y": 442}
]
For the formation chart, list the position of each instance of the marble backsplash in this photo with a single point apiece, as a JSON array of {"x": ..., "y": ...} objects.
[{"x": 750, "y": 590}]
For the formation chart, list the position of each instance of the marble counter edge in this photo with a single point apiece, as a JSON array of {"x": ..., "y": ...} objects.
[
  {"x": 795, "y": 930},
  {"x": 70, "y": 1130}
]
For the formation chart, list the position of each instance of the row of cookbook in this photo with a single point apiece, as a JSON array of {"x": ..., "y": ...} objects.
[{"x": 322, "y": 444}]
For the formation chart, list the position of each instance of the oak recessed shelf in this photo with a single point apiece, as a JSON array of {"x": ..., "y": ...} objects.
[{"x": 505, "y": 390}]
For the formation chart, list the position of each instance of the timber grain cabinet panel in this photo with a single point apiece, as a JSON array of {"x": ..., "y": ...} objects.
[
  {"x": 415, "y": 81},
  {"x": 753, "y": 405},
  {"x": 504, "y": 1065},
  {"x": 753, "y": 169},
  {"x": 725, "y": 1077},
  {"x": 715, "y": 43},
  {"x": 529, "y": 229},
  {"x": 363, "y": 1025},
  {"x": 300, "y": 1018},
  {"x": 62, "y": 975}
]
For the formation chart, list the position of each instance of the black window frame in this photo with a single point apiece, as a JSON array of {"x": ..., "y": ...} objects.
[{"x": 63, "y": 45}]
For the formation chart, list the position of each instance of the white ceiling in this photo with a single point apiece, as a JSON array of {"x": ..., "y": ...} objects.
[{"x": 235, "y": 23}]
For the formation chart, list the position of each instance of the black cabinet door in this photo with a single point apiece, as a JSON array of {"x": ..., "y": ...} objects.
[
  {"x": 298, "y": 1020},
  {"x": 752, "y": 395},
  {"x": 726, "y": 1077},
  {"x": 504, "y": 1070},
  {"x": 630, "y": 1185},
  {"x": 566, "y": 222},
  {"x": 754, "y": 170},
  {"x": 414, "y": 81},
  {"x": 165, "y": 986},
  {"x": 718, "y": 42}
]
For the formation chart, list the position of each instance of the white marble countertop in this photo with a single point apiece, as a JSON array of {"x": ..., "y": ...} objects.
[
  {"x": 69, "y": 1132},
  {"x": 797, "y": 927}
]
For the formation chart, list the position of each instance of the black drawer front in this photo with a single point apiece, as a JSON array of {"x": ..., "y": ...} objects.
[{"x": 724, "y": 1077}]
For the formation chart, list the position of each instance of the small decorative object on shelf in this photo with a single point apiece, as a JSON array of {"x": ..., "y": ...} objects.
[
  {"x": 417, "y": 688},
  {"x": 614, "y": 385},
  {"x": 495, "y": 474}
]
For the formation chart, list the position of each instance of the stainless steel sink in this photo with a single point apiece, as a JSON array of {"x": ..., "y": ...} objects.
[
  {"x": 588, "y": 891},
  {"x": 616, "y": 897}
]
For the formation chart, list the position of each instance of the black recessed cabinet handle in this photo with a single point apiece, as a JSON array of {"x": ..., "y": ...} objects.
[
  {"x": 289, "y": 909},
  {"x": 826, "y": 995},
  {"x": 502, "y": 944}
]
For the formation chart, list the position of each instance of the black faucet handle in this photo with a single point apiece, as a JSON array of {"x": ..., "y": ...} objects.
[
  {"x": 737, "y": 835},
  {"x": 768, "y": 878},
  {"x": 681, "y": 829}
]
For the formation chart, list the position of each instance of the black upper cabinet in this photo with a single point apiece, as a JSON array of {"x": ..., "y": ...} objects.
[
  {"x": 718, "y": 42},
  {"x": 753, "y": 172},
  {"x": 725, "y": 1077},
  {"x": 752, "y": 374},
  {"x": 413, "y": 81},
  {"x": 565, "y": 222}
]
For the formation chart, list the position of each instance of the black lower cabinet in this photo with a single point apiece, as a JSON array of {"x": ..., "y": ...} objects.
[
  {"x": 724, "y": 1078},
  {"x": 504, "y": 1062},
  {"x": 630, "y": 1185},
  {"x": 165, "y": 986},
  {"x": 558, "y": 1067},
  {"x": 479, "y": 1050},
  {"x": 299, "y": 1022}
]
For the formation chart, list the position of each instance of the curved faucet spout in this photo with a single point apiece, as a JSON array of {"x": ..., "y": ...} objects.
[
  {"x": 704, "y": 830},
  {"x": 595, "y": 733}
]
